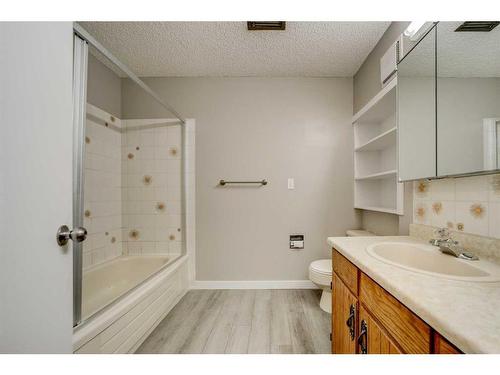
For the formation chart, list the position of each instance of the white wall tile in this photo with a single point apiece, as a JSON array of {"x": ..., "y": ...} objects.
[{"x": 471, "y": 189}]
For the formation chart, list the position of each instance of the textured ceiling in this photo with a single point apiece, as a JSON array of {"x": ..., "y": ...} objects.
[
  {"x": 459, "y": 54},
  {"x": 468, "y": 54},
  {"x": 176, "y": 49}
]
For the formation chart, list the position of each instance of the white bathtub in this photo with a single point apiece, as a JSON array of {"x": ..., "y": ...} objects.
[{"x": 138, "y": 292}]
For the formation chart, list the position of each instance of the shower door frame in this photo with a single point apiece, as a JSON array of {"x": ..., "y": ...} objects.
[
  {"x": 80, "y": 59},
  {"x": 82, "y": 40}
]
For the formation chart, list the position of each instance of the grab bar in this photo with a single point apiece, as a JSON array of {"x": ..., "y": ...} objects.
[{"x": 224, "y": 182}]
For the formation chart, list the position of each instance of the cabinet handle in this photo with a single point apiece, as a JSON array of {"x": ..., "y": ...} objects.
[
  {"x": 363, "y": 338},
  {"x": 351, "y": 321}
]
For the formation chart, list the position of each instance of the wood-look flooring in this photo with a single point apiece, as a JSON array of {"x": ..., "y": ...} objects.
[{"x": 243, "y": 321}]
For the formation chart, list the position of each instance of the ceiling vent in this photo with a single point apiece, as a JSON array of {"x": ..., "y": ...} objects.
[
  {"x": 482, "y": 26},
  {"x": 266, "y": 25}
]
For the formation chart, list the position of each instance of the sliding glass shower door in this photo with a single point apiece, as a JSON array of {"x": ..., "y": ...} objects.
[{"x": 129, "y": 183}]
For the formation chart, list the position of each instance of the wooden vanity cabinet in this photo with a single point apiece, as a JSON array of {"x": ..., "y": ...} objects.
[
  {"x": 372, "y": 338},
  {"x": 344, "y": 319},
  {"x": 366, "y": 319}
]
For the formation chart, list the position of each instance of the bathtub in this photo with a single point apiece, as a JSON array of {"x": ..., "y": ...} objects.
[{"x": 138, "y": 291}]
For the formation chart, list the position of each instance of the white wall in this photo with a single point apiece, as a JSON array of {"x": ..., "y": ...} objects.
[
  {"x": 36, "y": 186},
  {"x": 103, "y": 87},
  {"x": 273, "y": 128}
]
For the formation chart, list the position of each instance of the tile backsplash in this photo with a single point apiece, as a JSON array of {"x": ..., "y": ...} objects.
[{"x": 466, "y": 204}]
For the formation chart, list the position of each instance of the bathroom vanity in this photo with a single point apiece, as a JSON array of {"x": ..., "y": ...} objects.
[{"x": 380, "y": 308}]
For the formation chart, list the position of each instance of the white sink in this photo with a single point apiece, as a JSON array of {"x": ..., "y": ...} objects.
[{"x": 429, "y": 260}]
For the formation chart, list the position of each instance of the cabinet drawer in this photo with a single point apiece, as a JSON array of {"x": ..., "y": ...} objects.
[
  {"x": 411, "y": 333},
  {"x": 346, "y": 271}
]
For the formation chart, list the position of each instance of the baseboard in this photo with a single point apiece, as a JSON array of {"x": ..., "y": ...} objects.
[{"x": 253, "y": 284}]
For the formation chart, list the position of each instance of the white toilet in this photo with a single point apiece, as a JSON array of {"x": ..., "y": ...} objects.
[{"x": 320, "y": 273}]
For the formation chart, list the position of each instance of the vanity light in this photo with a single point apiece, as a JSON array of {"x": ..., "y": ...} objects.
[{"x": 414, "y": 30}]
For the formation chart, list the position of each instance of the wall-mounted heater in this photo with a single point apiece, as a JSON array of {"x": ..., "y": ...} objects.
[{"x": 389, "y": 63}]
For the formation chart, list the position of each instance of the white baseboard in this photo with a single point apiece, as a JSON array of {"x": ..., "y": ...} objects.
[{"x": 253, "y": 284}]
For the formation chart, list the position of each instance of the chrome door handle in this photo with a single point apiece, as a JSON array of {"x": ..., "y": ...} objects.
[{"x": 64, "y": 234}]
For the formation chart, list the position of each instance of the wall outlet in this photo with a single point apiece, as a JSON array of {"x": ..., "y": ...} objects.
[{"x": 291, "y": 183}]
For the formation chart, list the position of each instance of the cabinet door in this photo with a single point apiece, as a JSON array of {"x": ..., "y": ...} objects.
[
  {"x": 373, "y": 339},
  {"x": 344, "y": 318},
  {"x": 443, "y": 346}
]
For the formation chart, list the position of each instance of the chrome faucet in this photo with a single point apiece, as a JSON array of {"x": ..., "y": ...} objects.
[{"x": 449, "y": 246}]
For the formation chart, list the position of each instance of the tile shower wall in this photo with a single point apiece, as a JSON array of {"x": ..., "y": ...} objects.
[
  {"x": 102, "y": 189},
  {"x": 468, "y": 204},
  {"x": 151, "y": 181}
]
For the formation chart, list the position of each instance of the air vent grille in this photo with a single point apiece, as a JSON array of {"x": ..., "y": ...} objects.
[
  {"x": 266, "y": 25},
  {"x": 481, "y": 26}
]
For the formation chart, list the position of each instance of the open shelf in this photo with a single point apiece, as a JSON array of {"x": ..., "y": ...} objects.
[
  {"x": 376, "y": 187},
  {"x": 378, "y": 209},
  {"x": 379, "y": 107},
  {"x": 377, "y": 176},
  {"x": 380, "y": 142}
]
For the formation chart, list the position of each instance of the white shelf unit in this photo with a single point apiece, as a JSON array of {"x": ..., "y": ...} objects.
[{"x": 376, "y": 186}]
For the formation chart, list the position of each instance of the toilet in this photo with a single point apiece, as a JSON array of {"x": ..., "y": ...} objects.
[{"x": 320, "y": 273}]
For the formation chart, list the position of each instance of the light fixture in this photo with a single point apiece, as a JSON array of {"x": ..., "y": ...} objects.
[{"x": 414, "y": 30}]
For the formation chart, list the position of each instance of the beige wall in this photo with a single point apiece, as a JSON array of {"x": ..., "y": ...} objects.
[
  {"x": 273, "y": 128},
  {"x": 103, "y": 87},
  {"x": 367, "y": 78},
  {"x": 367, "y": 85}
]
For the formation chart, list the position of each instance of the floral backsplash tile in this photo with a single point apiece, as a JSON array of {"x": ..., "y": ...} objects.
[{"x": 467, "y": 204}]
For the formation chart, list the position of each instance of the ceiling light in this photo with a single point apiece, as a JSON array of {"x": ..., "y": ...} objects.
[{"x": 414, "y": 30}]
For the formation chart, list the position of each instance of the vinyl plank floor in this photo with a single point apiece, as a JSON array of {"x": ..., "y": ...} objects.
[{"x": 243, "y": 321}]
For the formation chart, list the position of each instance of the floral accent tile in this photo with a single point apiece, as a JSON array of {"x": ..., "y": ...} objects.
[
  {"x": 437, "y": 207},
  {"x": 134, "y": 234},
  {"x": 477, "y": 210},
  {"x": 421, "y": 188},
  {"x": 420, "y": 213},
  {"x": 160, "y": 206},
  {"x": 442, "y": 214},
  {"x": 466, "y": 204},
  {"x": 473, "y": 217}
]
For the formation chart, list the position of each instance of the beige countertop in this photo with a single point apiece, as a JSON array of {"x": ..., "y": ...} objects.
[{"x": 466, "y": 313}]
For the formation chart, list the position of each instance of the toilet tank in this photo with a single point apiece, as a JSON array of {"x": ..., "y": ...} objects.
[{"x": 359, "y": 233}]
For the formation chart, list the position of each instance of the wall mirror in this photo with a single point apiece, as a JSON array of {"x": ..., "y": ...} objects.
[
  {"x": 417, "y": 110},
  {"x": 468, "y": 98}
]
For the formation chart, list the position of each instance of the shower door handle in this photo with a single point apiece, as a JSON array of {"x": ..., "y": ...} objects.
[{"x": 64, "y": 234}]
